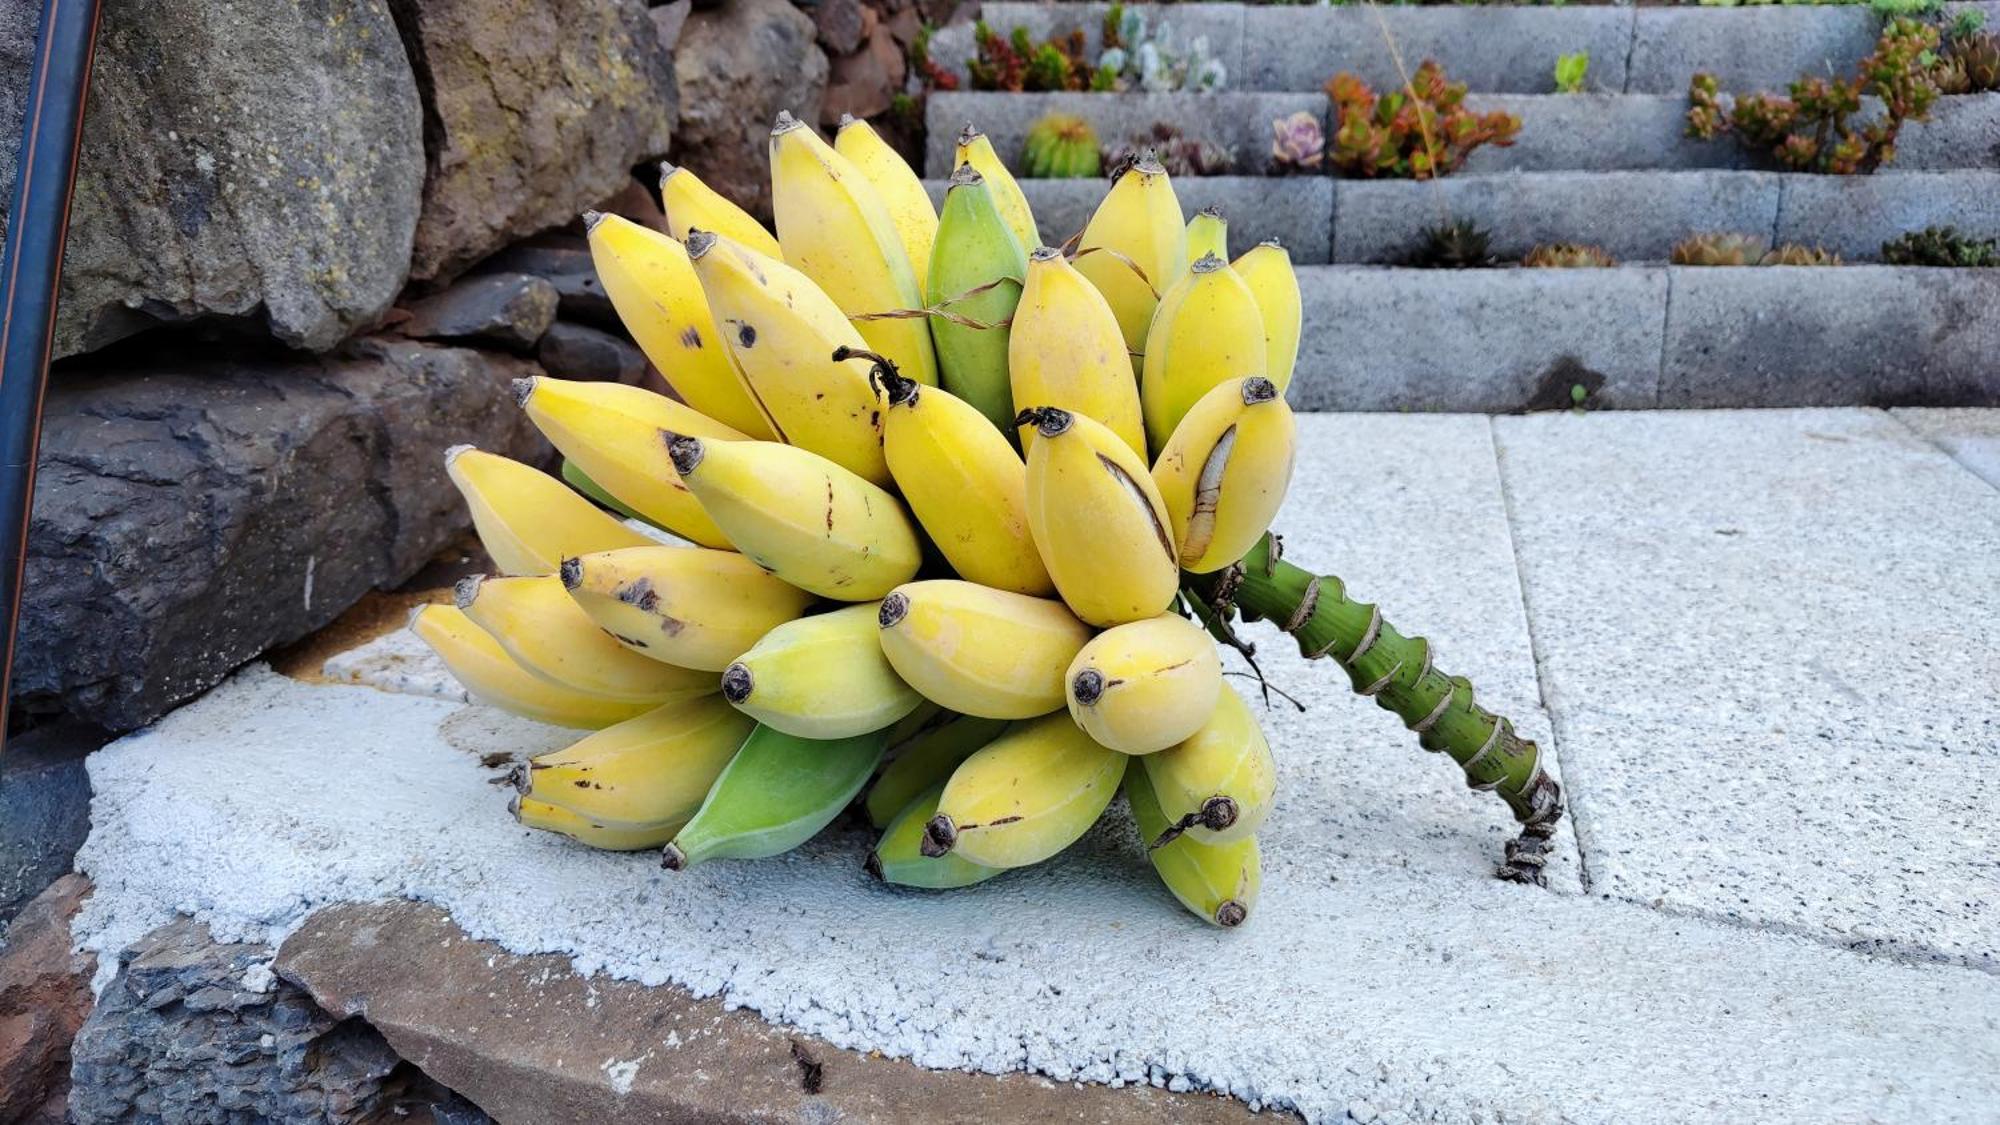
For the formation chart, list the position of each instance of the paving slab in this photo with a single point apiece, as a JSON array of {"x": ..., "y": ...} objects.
[
  {"x": 1485, "y": 340},
  {"x": 1854, "y": 215},
  {"x": 1972, "y": 437},
  {"x": 1238, "y": 122},
  {"x": 1295, "y": 210},
  {"x": 1766, "y": 640},
  {"x": 1498, "y": 49},
  {"x": 1632, "y": 215},
  {"x": 1803, "y": 336}
]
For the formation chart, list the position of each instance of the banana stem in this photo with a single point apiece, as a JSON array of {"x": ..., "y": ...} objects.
[{"x": 1396, "y": 672}]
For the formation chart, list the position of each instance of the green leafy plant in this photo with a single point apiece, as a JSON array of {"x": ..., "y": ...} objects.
[
  {"x": 1813, "y": 129},
  {"x": 1941, "y": 246},
  {"x": 1418, "y": 132},
  {"x": 1571, "y": 71},
  {"x": 1061, "y": 146},
  {"x": 1719, "y": 250},
  {"x": 933, "y": 76},
  {"x": 1179, "y": 154},
  {"x": 1463, "y": 245},
  {"x": 1015, "y": 63},
  {"x": 1567, "y": 255}
]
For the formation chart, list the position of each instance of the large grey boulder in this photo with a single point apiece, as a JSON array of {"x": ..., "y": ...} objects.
[
  {"x": 254, "y": 161},
  {"x": 738, "y": 66},
  {"x": 190, "y": 515},
  {"x": 192, "y": 1029},
  {"x": 536, "y": 110}
]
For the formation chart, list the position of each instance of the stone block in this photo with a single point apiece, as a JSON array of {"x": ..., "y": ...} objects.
[
  {"x": 1221, "y": 24},
  {"x": 1238, "y": 122},
  {"x": 1854, "y": 215},
  {"x": 1636, "y": 216},
  {"x": 1831, "y": 336},
  {"x": 1486, "y": 341},
  {"x": 1498, "y": 49}
]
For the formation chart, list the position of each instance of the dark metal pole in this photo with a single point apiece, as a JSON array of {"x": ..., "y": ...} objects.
[{"x": 51, "y": 134}]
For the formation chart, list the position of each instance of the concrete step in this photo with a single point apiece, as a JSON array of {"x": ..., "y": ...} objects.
[
  {"x": 1500, "y": 49},
  {"x": 1559, "y": 132}
]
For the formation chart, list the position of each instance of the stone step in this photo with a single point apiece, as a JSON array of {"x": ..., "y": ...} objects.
[
  {"x": 1295, "y": 210},
  {"x": 1559, "y": 132},
  {"x": 1504, "y": 340},
  {"x": 1500, "y": 49}
]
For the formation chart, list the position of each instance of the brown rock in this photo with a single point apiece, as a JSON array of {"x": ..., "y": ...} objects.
[
  {"x": 537, "y": 109},
  {"x": 738, "y": 66},
  {"x": 840, "y": 26},
  {"x": 865, "y": 83},
  {"x": 668, "y": 19},
  {"x": 905, "y": 24},
  {"x": 530, "y": 1041},
  {"x": 44, "y": 999}
]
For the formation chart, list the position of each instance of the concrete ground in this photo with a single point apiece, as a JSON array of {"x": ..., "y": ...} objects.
[{"x": 1761, "y": 647}]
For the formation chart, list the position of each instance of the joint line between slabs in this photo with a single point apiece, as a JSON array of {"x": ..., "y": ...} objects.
[
  {"x": 1954, "y": 458},
  {"x": 1554, "y": 748},
  {"x": 1631, "y": 48},
  {"x": 1894, "y": 951}
]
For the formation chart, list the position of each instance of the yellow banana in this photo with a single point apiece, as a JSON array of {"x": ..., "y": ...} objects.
[
  {"x": 782, "y": 331},
  {"x": 963, "y": 482},
  {"x": 657, "y": 297},
  {"x": 1207, "y": 330},
  {"x": 1098, "y": 521},
  {"x": 1024, "y": 796},
  {"x": 838, "y": 231},
  {"x": 1143, "y": 687},
  {"x": 1218, "y": 882},
  {"x": 925, "y": 760},
  {"x": 980, "y": 651},
  {"x": 1208, "y": 235},
  {"x": 910, "y": 210},
  {"x": 688, "y": 606},
  {"x": 976, "y": 149},
  {"x": 541, "y": 815},
  {"x": 528, "y": 520},
  {"x": 612, "y": 433},
  {"x": 493, "y": 677},
  {"x": 899, "y": 857},
  {"x": 820, "y": 677},
  {"x": 1224, "y": 472},
  {"x": 802, "y": 517},
  {"x": 646, "y": 772},
  {"x": 692, "y": 205},
  {"x": 976, "y": 272},
  {"x": 1267, "y": 269},
  {"x": 546, "y": 633},
  {"x": 1065, "y": 349},
  {"x": 1216, "y": 785},
  {"x": 1138, "y": 224}
]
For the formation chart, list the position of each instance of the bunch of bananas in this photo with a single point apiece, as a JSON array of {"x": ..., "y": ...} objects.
[{"x": 939, "y": 486}]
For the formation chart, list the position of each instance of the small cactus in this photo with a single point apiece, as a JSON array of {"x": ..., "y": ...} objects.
[
  {"x": 1298, "y": 141},
  {"x": 1941, "y": 246},
  {"x": 1567, "y": 255},
  {"x": 1720, "y": 250},
  {"x": 1794, "y": 254},
  {"x": 1061, "y": 146},
  {"x": 1462, "y": 245}
]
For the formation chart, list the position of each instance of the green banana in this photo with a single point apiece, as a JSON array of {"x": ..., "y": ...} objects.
[
  {"x": 899, "y": 857},
  {"x": 575, "y": 478},
  {"x": 1207, "y": 233},
  {"x": 927, "y": 759},
  {"x": 1218, "y": 882},
  {"x": 976, "y": 253},
  {"x": 775, "y": 794}
]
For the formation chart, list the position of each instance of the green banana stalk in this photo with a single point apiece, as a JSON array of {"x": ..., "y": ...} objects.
[
  {"x": 1396, "y": 672},
  {"x": 775, "y": 794},
  {"x": 976, "y": 271},
  {"x": 899, "y": 857}
]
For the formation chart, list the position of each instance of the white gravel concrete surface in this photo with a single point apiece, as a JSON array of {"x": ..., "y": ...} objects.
[{"x": 1385, "y": 974}]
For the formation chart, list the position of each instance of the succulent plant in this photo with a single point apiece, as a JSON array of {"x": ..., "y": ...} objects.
[
  {"x": 1418, "y": 132},
  {"x": 1571, "y": 71},
  {"x": 1152, "y": 59},
  {"x": 1179, "y": 154},
  {"x": 1061, "y": 146},
  {"x": 1567, "y": 255},
  {"x": 1941, "y": 246},
  {"x": 1795, "y": 254},
  {"x": 1811, "y": 129},
  {"x": 1720, "y": 250},
  {"x": 1298, "y": 141},
  {"x": 1979, "y": 57},
  {"x": 1015, "y": 63},
  {"x": 1462, "y": 245}
]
